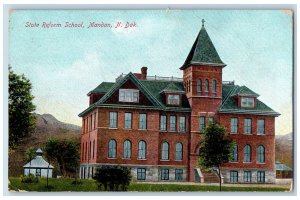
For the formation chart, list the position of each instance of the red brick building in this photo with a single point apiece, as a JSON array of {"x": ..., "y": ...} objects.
[{"x": 153, "y": 124}]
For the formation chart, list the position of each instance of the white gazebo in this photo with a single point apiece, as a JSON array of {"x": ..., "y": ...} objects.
[{"x": 38, "y": 166}]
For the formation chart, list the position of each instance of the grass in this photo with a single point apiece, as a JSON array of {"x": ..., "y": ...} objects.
[{"x": 65, "y": 184}]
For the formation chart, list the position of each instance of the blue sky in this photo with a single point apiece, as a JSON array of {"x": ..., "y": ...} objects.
[{"x": 64, "y": 64}]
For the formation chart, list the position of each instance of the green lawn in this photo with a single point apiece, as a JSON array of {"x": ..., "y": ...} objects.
[{"x": 65, "y": 184}]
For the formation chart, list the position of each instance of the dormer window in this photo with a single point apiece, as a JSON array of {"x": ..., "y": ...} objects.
[
  {"x": 128, "y": 95},
  {"x": 173, "y": 99},
  {"x": 247, "y": 102}
]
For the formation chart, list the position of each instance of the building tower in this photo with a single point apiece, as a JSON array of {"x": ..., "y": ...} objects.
[{"x": 202, "y": 78}]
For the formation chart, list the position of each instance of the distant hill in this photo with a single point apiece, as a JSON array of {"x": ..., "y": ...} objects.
[
  {"x": 47, "y": 126},
  {"x": 284, "y": 149}
]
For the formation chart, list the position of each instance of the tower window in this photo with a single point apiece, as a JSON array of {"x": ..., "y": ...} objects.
[
  {"x": 206, "y": 87},
  {"x": 214, "y": 87},
  {"x": 199, "y": 86},
  {"x": 128, "y": 95},
  {"x": 247, "y": 102},
  {"x": 173, "y": 99}
]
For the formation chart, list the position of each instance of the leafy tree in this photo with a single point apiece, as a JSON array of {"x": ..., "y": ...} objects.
[
  {"x": 21, "y": 119},
  {"x": 64, "y": 152},
  {"x": 113, "y": 178},
  {"x": 215, "y": 149},
  {"x": 29, "y": 155}
]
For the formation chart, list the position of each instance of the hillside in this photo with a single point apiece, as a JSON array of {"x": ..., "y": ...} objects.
[
  {"x": 47, "y": 126},
  {"x": 284, "y": 149}
]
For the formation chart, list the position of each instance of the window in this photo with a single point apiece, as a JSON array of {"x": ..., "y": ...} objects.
[
  {"x": 112, "y": 148},
  {"x": 38, "y": 172},
  {"x": 247, "y": 176},
  {"x": 141, "y": 173},
  {"x": 202, "y": 123},
  {"x": 173, "y": 99},
  {"x": 182, "y": 124},
  {"x": 178, "y": 174},
  {"x": 128, "y": 95},
  {"x": 172, "y": 123},
  {"x": 247, "y": 102},
  {"x": 95, "y": 120},
  {"x": 86, "y": 149},
  {"x": 128, "y": 120},
  {"x": 214, "y": 87},
  {"x": 82, "y": 151},
  {"x": 93, "y": 149},
  {"x": 91, "y": 122},
  {"x": 235, "y": 153},
  {"x": 261, "y": 127},
  {"x": 234, "y": 176},
  {"x": 90, "y": 150},
  {"x": 142, "y": 121},
  {"x": 113, "y": 119},
  {"x": 260, "y": 154},
  {"x": 206, "y": 87},
  {"x": 260, "y": 176},
  {"x": 199, "y": 86},
  {"x": 234, "y": 125},
  {"x": 127, "y": 149},
  {"x": 165, "y": 151},
  {"x": 164, "y": 174},
  {"x": 247, "y": 153},
  {"x": 142, "y": 150},
  {"x": 163, "y": 122},
  {"x": 247, "y": 126},
  {"x": 178, "y": 151}
]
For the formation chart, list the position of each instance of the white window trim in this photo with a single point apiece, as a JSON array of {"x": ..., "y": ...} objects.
[{"x": 128, "y": 90}]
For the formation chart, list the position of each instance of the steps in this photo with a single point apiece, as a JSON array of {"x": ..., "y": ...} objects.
[{"x": 210, "y": 177}]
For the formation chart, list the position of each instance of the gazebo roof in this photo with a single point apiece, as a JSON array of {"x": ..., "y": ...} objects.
[
  {"x": 282, "y": 167},
  {"x": 38, "y": 162}
]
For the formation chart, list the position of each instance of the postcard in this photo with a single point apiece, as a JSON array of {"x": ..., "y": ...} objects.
[{"x": 150, "y": 100}]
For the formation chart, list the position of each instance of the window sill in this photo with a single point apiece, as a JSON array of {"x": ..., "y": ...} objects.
[
  {"x": 142, "y": 129},
  {"x": 126, "y": 158},
  {"x": 112, "y": 128},
  {"x": 247, "y": 133},
  {"x": 111, "y": 158},
  {"x": 178, "y": 160},
  {"x": 260, "y": 163},
  {"x": 247, "y": 162},
  {"x": 172, "y": 131},
  {"x": 129, "y": 129},
  {"x": 141, "y": 159},
  {"x": 163, "y": 131},
  {"x": 233, "y": 133},
  {"x": 233, "y": 162},
  {"x": 164, "y": 160},
  {"x": 261, "y": 134}
]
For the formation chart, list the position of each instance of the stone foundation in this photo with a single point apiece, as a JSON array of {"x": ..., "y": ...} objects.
[
  {"x": 153, "y": 173},
  {"x": 270, "y": 176}
]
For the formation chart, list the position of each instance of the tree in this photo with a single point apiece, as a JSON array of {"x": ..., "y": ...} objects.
[
  {"x": 113, "y": 178},
  {"x": 215, "y": 149},
  {"x": 64, "y": 152},
  {"x": 21, "y": 119},
  {"x": 29, "y": 155}
]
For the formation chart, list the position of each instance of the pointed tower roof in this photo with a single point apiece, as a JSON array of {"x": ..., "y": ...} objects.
[{"x": 203, "y": 51}]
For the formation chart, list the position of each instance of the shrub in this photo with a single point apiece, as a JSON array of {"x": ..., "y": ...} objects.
[
  {"x": 113, "y": 178},
  {"x": 29, "y": 179}
]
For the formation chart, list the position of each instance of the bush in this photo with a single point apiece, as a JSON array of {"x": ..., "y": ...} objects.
[
  {"x": 29, "y": 179},
  {"x": 113, "y": 178}
]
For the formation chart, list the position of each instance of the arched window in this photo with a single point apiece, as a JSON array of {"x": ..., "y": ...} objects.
[
  {"x": 260, "y": 154},
  {"x": 235, "y": 153},
  {"x": 127, "y": 149},
  {"x": 199, "y": 86},
  {"x": 214, "y": 87},
  {"x": 142, "y": 150},
  {"x": 247, "y": 153},
  {"x": 112, "y": 148},
  {"x": 206, "y": 87},
  {"x": 165, "y": 151},
  {"x": 178, "y": 151}
]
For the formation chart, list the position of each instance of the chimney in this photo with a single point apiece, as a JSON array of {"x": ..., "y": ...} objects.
[{"x": 144, "y": 73}]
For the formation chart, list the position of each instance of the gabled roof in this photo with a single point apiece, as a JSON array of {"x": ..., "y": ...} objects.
[
  {"x": 245, "y": 91},
  {"x": 173, "y": 88},
  {"x": 102, "y": 88},
  {"x": 282, "y": 167},
  {"x": 203, "y": 52},
  {"x": 151, "y": 89},
  {"x": 38, "y": 162},
  {"x": 229, "y": 104}
]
